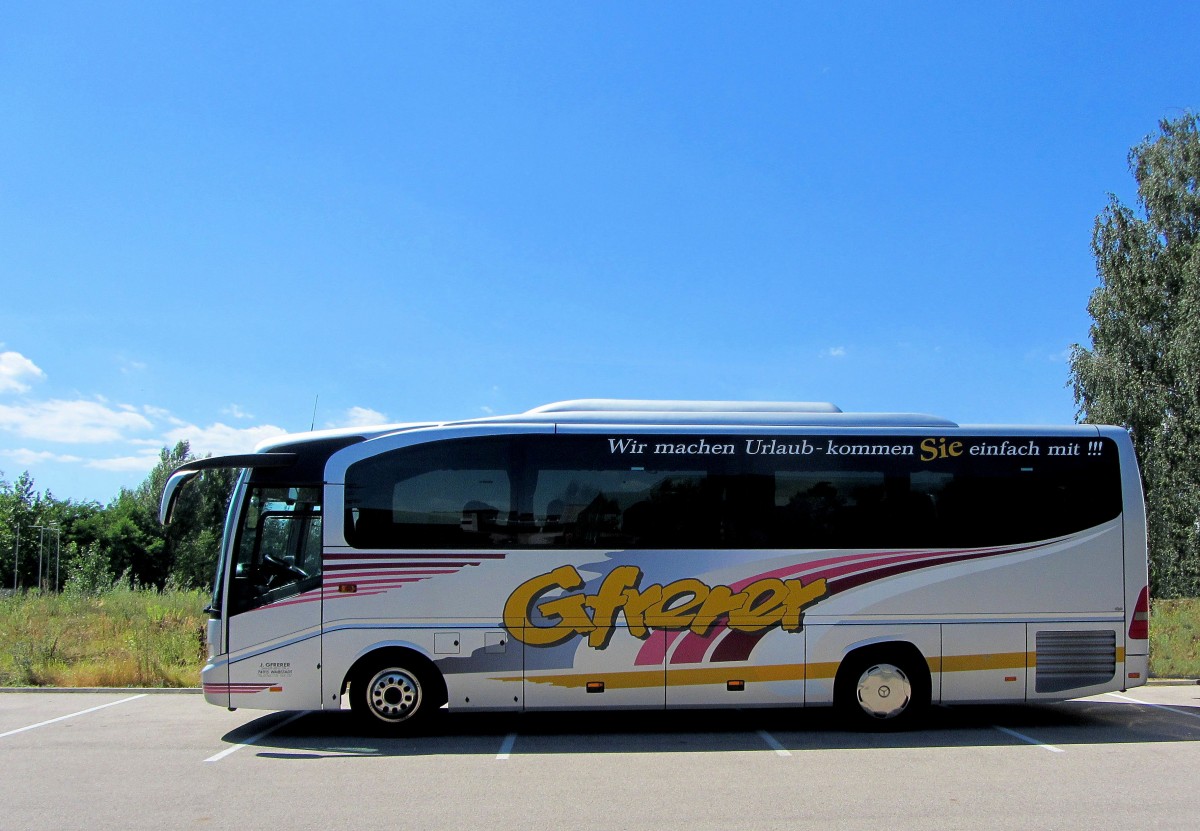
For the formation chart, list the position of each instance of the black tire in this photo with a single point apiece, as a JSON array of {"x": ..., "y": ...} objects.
[
  {"x": 394, "y": 695},
  {"x": 882, "y": 689}
]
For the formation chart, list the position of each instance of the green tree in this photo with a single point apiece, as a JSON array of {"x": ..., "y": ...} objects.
[
  {"x": 133, "y": 541},
  {"x": 1143, "y": 368},
  {"x": 92, "y": 546},
  {"x": 190, "y": 544},
  {"x": 122, "y": 540},
  {"x": 195, "y": 560},
  {"x": 24, "y": 514}
]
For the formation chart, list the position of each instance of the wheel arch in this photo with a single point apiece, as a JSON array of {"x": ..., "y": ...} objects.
[
  {"x": 404, "y": 655},
  {"x": 878, "y": 648},
  {"x": 897, "y": 651}
]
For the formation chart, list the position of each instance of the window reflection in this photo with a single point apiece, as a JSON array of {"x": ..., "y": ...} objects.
[{"x": 574, "y": 492}]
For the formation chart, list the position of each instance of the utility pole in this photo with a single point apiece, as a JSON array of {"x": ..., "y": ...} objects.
[
  {"x": 42, "y": 529},
  {"x": 16, "y": 556},
  {"x": 41, "y": 534},
  {"x": 57, "y": 554}
]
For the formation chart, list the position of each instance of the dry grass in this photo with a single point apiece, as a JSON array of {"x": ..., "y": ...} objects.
[
  {"x": 125, "y": 638},
  {"x": 143, "y": 638},
  {"x": 1175, "y": 638}
]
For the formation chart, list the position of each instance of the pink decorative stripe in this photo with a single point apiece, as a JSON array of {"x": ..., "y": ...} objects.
[
  {"x": 396, "y": 555},
  {"x": 867, "y": 565},
  {"x": 301, "y": 599},
  {"x": 859, "y": 579},
  {"x": 736, "y": 646},
  {"x": 348, "y": 575},
  {"x": 307, "y": 597},
  {"x": 330, "y": 590},
  {"x": 655, "y": 647},
  {"x": 362, "y": 590},
  {"x": 739, "y": 649},
  {"x": 842, "y": 572},
  {"x": 692, "y": 648},
  {"x": 342, "y": 596},
  {"x": 351, "y": 566},
  {"x": 353, "y": 580},
  {"x": 237, "y": 688}
]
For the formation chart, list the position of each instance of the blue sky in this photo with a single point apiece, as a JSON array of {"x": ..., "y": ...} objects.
[{"x": 213, "y": 215}]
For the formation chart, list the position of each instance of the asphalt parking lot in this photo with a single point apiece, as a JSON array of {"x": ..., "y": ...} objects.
[{"x": 130, "y": 760}]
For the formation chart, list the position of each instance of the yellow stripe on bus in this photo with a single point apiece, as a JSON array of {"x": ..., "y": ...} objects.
[
  {"x": 824, "y": 670},
  {"x": 975, "y": 663}
]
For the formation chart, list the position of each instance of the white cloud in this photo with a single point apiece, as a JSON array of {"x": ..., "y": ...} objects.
[
  {"x": 157, "y": 444},
  {"x": 125, "y": 439},
  {"x": 77, "y": 422},
  {"x": 236, "y": 411},
  {"x": 16, "y": 370},
  {"x": 162, "y": 414},
  {"x": 221, "y": 439},
  {"x": 125, "y": 464},
  {"x": 834, "y": 352},
  {"x": 360, "y": 417},
  {"x": 122, "y": 464},
  {"x": 28, "y": 458}
]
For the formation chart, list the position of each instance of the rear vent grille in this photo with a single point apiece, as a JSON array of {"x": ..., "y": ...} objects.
[{"x": 1067, "y": 660}]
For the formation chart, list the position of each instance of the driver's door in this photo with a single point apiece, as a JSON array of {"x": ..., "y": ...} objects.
[{"x": 274, "y": 601}]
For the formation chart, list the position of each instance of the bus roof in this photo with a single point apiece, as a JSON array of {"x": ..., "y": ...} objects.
[
  {"x": 635, "y": 412},
  {"x": 623, "y": 405}
]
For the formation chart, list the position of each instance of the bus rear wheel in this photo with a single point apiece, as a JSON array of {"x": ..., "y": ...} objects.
[
  {"x": 882, "y": 690},
  {"x": 392, "y": 697}
]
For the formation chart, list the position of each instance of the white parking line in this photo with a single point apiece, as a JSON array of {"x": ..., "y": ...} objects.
[
  {"x": 1028, "y": 739},
  {"x": 774, "y": 744},
  {"x": 1175, "y": 710},
  {"x": 506, "y": 747},
  {"x": 71, "y": 715},
  {"x": 236, "y": 747}
]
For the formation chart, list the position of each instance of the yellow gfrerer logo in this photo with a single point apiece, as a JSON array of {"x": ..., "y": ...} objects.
[{"x": 683, "y": 604}]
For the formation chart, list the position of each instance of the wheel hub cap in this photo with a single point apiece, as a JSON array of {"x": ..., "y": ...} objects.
[
  {"x": 884, "y": 691},
  {"x": 393, "y": 694}
]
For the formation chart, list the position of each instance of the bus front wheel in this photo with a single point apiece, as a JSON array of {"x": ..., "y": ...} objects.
[{"x": 392, "y": 696}]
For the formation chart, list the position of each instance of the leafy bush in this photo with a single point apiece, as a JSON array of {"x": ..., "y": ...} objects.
[{"x": 88, "y": 573}]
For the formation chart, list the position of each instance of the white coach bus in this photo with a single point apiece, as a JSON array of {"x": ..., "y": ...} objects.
[{"x": 664, "y": 554}]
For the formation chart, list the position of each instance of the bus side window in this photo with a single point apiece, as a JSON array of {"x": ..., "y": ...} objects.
[{"x": 444, "y": 495}]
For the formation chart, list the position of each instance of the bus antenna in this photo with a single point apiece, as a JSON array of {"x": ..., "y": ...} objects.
[{"x": 313, "y": 426}]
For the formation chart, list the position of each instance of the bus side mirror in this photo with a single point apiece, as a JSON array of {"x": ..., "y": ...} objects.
[{"x": 171, "y": 492}]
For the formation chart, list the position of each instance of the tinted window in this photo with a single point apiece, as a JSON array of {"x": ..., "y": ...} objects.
[
  {"x": 577, "y": 507},
  {"x": 730, "y": 492},
  {"x": 450, "y": 494}
]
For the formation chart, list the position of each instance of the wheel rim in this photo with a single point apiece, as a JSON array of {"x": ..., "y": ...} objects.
[
  {"x": 884, "y": 691},
  {"x": 393, "y": 694}
]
